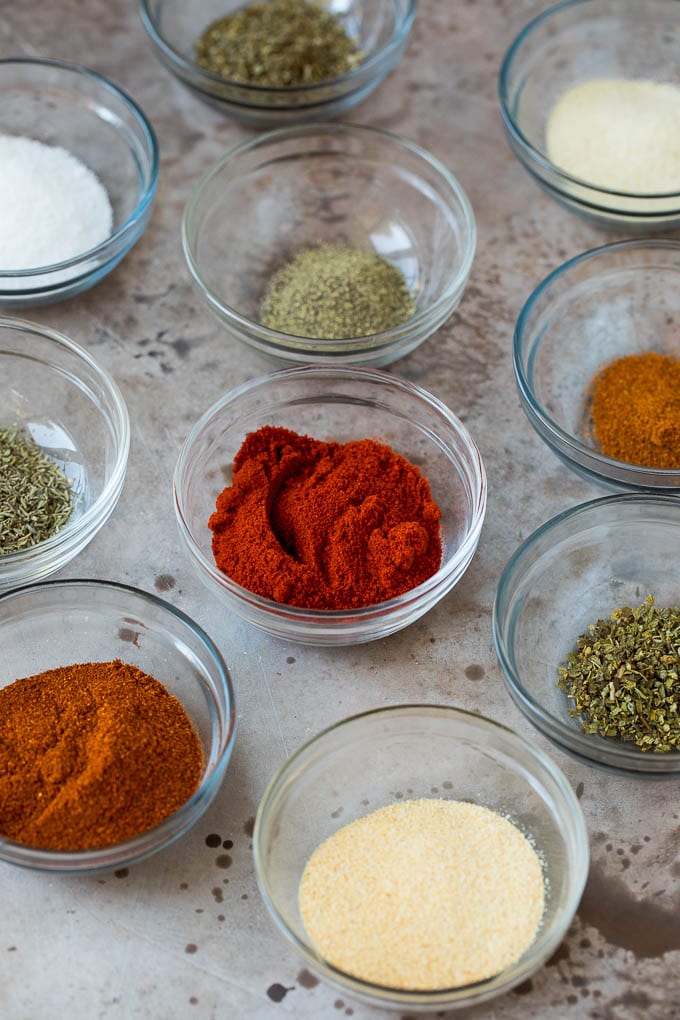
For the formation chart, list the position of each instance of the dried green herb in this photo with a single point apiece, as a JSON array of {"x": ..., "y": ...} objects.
[
  {"x": 333, "y": 292},
  {"x": 623, "y": 677},
  {"x": 277, "y": 44},
  {"x": 35, "y": 494}
]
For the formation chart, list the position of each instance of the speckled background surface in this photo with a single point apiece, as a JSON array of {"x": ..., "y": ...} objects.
[{"x": 185, "y": 934}]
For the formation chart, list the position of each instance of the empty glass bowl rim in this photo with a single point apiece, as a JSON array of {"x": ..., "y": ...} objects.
[
  {"x": 324, "y": 616},
  {"x": 179, "y": 821},
  {"x": 122, "y": 439},
  {"x": 617, "y": 754},
  {"x": 294, "y": 765},
  {"x": 537, "y": 155},
  {"x": 520, "y": 362},
  {"x": 401, "y": 31},
  {"x": 151, "y": 174},
  {"x": 464, "y": 214}
]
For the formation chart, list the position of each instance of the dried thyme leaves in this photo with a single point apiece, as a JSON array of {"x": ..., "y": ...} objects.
[
  {"x": 335, "y": 292},
  {"x": 277, "y": 44},
  {"x": 35, "y": 494},
  {"x": 623, "y": 677}
]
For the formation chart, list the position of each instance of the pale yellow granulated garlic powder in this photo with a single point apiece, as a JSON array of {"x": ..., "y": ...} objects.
[{"x": 423, "y": 895}]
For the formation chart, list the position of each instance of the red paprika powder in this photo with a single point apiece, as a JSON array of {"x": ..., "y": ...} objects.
[{"x": 325, "y": 525}]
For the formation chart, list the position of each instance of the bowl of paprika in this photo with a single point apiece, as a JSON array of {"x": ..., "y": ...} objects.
[
  {"x": 353, "y": 502},
  {"x": 117, "y": 723},
  {"x": 597, "y": 361}
]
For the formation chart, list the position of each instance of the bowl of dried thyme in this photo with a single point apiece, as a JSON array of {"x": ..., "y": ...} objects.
[
  {"x": 586, "y": 625},
  {"x": 273, "y": 62},
  {"x": 327, "y": 243},
  {"x": 597, "y": 362},
  {"x": 64, "y": 442}
]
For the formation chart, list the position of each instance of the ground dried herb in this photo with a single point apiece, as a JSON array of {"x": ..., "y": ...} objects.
[
  {"x": 279, "y": 44},
  {"x": 35, "y": 495},
  {"x": 623, "y": 677},
  {"x": 334, "y": 292}
]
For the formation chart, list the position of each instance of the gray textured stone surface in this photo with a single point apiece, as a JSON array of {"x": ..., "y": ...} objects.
[{"x": 121, "y": 946}]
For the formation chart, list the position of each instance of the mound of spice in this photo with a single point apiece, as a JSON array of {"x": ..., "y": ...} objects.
[
  {"x": 636, "y": 410},
  {"x": 423, "y": 894},
  {"x": 333, "y": 292},
  {"x": 279, "y": 44},
  {"x": 35, "y": 495},
  {"x": 325, "y": 525},
  {"x": 92, "y": 754},
  {"x": 624, "y": 677}
]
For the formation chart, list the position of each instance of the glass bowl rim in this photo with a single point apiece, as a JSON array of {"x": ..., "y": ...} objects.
[
  {"x": 151, "y": 173},
  {"x": 463, "y": 212},
  {"x": 313, "y": 617},
  {"x": 122, "y": 435},
  {"x": 401, "y": 31},
  {"x": 539, "y": 157},
  {"x": 638, "y": 472},
  {"x": 619, "y": 756},
  {"x": 491, "y": 987},
  {"x": 152, "y": 840}
]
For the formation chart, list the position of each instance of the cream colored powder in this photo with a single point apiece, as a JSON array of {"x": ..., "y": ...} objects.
[
  {"x": 423, "y": 894},
  {"x": 619, "y": 134}
]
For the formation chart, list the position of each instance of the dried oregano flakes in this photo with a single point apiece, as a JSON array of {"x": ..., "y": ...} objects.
[{"x": 623, "y": 677}]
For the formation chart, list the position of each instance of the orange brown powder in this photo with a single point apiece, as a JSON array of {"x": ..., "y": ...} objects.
[
  {"x": 92, "y": 754},
  {"x": 636, "y": 410}
]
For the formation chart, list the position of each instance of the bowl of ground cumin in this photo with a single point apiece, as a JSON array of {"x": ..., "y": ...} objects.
[
  {"x": 330, "y": 506},
  {"x": 421, "y": 857},
  {"x": 329, "y": 242},
  {"x": 597, "y": 362},
  {"x": 117, "y": 723},
  {"x": 274, "y": 62}
]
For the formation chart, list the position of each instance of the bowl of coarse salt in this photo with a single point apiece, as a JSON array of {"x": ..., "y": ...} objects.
[
  {"x": 80, "y": 161},
  {"x": 420, "y": 857},
  {"x": 591, "y": 104}
]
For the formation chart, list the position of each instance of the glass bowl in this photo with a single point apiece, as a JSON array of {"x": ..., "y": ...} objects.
[
  {"x": 66, "y": 105},
  {"x": 608, "y": 303},
  {"x": 570, "y": 43},
  {"x": 59, "y": 623},
  {"x": 341, "y": 404},
  {"x": 58, "y": 395},
  {"x": 339, "y": 184},
  {"x": 575, "y": 569},
  {"x": 380, "y": 28},
  {"x": 418, "y": 751}
]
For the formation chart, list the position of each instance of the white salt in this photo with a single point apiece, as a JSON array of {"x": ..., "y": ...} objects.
[{"x": 52, "y": 206}]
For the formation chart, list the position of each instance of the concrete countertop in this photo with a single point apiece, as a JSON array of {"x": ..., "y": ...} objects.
[{"x": 185, "y": 934}]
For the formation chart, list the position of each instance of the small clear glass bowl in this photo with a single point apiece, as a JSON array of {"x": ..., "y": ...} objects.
[
  {"x": 66, "y": 105},
  {"x": 574, "y": 570},
  {"x": 340, "y": 404},
  {"x": 409, "y": 752},
  {"x": 380, "y": 29},
  {"x": 59, "y": 623},
  {"x": 606, "y": 304},
  {"x": 286, "y": 190},
  {"x": 570, "y": 43},
  {"x": 56, "y": 393}
]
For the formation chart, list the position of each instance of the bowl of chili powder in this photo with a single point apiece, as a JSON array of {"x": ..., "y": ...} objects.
[
  {"x": 330, "y": 505},
  {"x": 597, "y": 362}
]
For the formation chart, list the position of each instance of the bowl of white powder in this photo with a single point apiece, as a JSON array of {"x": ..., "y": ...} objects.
[
  {"x": 591, "y": 102},
  {"x": 80, "y": 161},
  {"x": 421, "y": 857}
]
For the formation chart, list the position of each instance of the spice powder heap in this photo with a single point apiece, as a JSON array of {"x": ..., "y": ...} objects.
[
  {"x": 92, "y": 754},
  {"x": 336, "y": 292},
  {"x": 423, "y": 895},
  {"x": 636, "y": 410},
  {"x": 325, "y": 525},
  {"x": 35, "y": 495},
  {"x": 283, "y": 43}
]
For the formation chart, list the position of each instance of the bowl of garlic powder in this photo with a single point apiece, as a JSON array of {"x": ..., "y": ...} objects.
[{"x": 591, "y": 104}]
